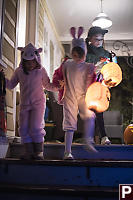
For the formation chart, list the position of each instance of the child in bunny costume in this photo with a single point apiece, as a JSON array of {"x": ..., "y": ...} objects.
[
  {"x": 33, "y": 79},
  {"x": 77, "y": 76}
]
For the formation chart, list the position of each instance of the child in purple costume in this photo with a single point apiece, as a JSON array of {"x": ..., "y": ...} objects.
[{"x": 33, "y": 79}]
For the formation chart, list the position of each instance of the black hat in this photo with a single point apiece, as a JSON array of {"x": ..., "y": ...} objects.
[{"x": 96, "y": 30}]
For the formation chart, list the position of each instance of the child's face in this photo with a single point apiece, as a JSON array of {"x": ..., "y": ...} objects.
[
  {"x": 97, "y": 40},
  {"x": 30, "y": 64},
  {"x": 76, "y": 58}
]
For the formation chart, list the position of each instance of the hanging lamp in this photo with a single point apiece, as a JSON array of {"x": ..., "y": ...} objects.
[{"x": 102, "y": 20}]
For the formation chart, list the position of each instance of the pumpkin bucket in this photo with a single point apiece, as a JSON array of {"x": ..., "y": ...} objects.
[
  {"x": 112, "y": 74},
  {"x": 128, "y": 134},
  {"x": 97, "y": 97}
]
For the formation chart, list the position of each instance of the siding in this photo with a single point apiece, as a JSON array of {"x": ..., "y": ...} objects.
[{"x": 8, "y": 55}]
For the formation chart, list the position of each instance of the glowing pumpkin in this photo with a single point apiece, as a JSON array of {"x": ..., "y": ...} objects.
[
  {"x": 128, "y": 134},
  {"x": 97, "y": 97},
  {"x": 112, "y": 74}
]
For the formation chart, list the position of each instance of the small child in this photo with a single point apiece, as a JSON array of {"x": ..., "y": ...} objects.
[
  {"x": 33, "y": 79},
  {"x": 77, "y": 76}
]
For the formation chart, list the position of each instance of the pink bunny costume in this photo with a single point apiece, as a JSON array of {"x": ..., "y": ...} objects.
[
  {"x": 32, "y": 96},
  {"x": 77, "y": 76}
]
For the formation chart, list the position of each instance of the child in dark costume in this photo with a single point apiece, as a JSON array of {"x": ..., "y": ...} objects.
[{"x": 99, "y": 56}]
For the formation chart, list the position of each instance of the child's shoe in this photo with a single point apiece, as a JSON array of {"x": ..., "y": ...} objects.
[
  {"x": 39, "y": 156},
  {"x": 91, "y": 140},
  {"x": 90, "y": 147},
  {"x": 105, "y": 141},
  {"x": 29, "y": 153},
  {"x": 38, "y": 151},
  {"x": 89, "y": 144},
  {"x": 68, "y": 156}
]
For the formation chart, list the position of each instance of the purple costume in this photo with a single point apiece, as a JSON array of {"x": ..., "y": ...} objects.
[{"x": 32, "y": 96}]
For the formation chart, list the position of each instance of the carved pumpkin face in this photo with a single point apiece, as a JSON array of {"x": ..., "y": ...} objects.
[
  {"x": 97, "y": 97},
  {"x": 112, "y": 74},
  {"x": 128, "y": 134}
]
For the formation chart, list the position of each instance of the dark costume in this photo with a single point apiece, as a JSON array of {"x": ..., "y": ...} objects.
[{"x": 94, "y": 55}]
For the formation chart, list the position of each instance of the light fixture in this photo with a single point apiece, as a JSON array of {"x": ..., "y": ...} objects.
[{"x": 102, "y": 20}]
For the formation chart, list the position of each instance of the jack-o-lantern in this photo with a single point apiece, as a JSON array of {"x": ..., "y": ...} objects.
[
  {"x": 128, "y": 134},
  {"x": 112, "y": 74},
  {"x": 97, "y": 97}
]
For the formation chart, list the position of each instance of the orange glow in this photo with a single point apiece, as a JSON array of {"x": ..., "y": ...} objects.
[
  {"x": 97, "y": 97},
  {"x": 128, "y": 134},
  {"x": 112, "y": 74}
]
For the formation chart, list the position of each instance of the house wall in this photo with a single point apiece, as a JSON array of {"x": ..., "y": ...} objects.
[
  {"x": 8, "y": 57},
  {"x": 47, "y": 38},
  {"x": 38, "y": 28},
  {"x": 42, "y": 32}
]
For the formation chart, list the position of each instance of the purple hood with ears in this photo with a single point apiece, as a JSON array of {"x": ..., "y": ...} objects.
[{"x": 30, "y": 52}]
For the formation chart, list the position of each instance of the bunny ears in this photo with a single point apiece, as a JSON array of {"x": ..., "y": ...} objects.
[
  {"x": 73, "y": 31},
  {"x": 78, "y": 42}
]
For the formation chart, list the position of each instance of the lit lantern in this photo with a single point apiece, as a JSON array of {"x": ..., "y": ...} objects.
[
  {"x": 128, "y": 134},
  {"x": 97, "y": 97},
  {"x": 112, "y": 74}
]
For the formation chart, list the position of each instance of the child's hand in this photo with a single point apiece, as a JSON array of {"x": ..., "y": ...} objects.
[
  {"x": 61, "y": 83},
  {"x": 99, "y": 77},
  {"x": 103, "y": 59}
]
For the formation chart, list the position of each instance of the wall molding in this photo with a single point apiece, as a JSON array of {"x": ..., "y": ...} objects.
[
  {"x": 120, "y": 47},
  {"x": 9, "y": 18},
  {"x": 3, "y": 64},
  {"x": 9, "y": 110},
  {"x": 8, "y": 62},
  {"x": 10, "y": 133},
  {"x": 8, "y": 39},
  {"x": 53, "y": 25}
]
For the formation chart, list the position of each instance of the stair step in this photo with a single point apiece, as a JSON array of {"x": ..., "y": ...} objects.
[
  {"x": 76, "y": 173},
  {"x": 61, "y": 192},
  {"x": 89, "y": 175},
  {"x": 56, "y": 151}
]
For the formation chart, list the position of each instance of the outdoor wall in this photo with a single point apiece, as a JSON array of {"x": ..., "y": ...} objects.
[
  {"x": 24, "y": 21},
  {"x": 47, "y": 38},
  {"x": 8, "y": 56}
]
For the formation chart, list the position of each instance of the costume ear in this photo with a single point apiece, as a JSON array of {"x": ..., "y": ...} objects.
[
  {"x": 80, "y": 31},
  {"x": 73, "y": 31},
  {"x": 20, "y": 48},
  {"x": 39, "y": 50}
]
